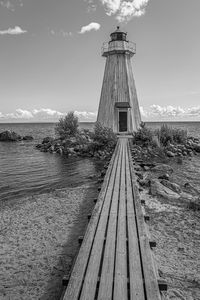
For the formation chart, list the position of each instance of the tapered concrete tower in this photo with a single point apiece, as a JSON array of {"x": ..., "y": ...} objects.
[{"x": 118, "y": 107}]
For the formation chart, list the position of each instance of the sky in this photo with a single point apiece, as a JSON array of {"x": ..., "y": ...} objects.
[{"x": 51, "y": 63}]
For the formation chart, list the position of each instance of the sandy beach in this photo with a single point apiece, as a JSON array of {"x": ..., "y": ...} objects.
[
  {"x": 176, "y": 230},
  {"x": 39, "y": 241}
]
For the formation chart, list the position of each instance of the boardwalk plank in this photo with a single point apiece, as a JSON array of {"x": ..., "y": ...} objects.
[
  {"x": 120, "y": 283},
  {"x": 135, "y": 268},
  {"x": 107, "y": 274}
]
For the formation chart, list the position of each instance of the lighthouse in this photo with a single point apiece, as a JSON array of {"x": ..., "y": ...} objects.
[{"x": 118, "y": 106}]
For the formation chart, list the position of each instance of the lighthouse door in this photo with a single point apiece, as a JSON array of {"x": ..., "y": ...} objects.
[{"x": 122, "y": 121}]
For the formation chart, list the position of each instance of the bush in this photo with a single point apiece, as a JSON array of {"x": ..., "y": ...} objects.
[
  {"x": 67, "y": 126},
  {"x": 168, "y": 135},
  {"x": 104, "y": 136},
  {"x": 143, "y": 136}
]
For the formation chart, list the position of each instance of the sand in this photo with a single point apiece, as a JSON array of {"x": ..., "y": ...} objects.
[
  {"x": 176, "y": 229},
  {"x": 38, "y": 241}
]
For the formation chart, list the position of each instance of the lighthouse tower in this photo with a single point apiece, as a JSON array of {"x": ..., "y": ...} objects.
[{"x": 118, "y": 107}]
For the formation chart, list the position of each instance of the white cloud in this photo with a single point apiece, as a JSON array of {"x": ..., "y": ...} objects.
[
  {"x": 167, "y": 111},
  {"x": 194, "y": 111},
  {"x": 9, "y": 5},
  {"x": 13, "y": 31},
  {"x": 45, "y": 114},
  {"x": 61, "y": 33},
  {"x": 143, "y": 112},
  {"x": 111, "y": 6},
  {"x": 89, "y": 27},
  {"x": 125, "y": 10},
  {"x": 23, "y": 114},
  {"x": 91, "y": 5},
  {"x": 86, "y": 116}
]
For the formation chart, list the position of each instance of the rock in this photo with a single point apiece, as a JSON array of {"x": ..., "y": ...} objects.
[
  {"x": 162, "y": 168},
  {"x": 191, "y": 188},
  {"x": 158, "y": 189},
  {"x": 9, "y": 136},
  {"x": 164, "y": 176},
  {"x": 172, "y": 186},
  {"x": 47, "y": 140},
  {"x": 28, "y": 138},
  {"x": 39, "y": 146},
  {"x": 196, "y": 147},
  {"x": 146, "y": 168},
  {"x": 139, "y": 175},
  {"x": 170, "y": 154},
  {"x": 137, "y": 168}
]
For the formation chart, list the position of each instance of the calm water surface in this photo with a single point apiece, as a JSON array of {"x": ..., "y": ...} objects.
[{"x": 26, "y": 171}]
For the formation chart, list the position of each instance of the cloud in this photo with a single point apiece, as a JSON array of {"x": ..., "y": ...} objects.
[
  {"x": 171, "y": 113},
  {"x": 111, "y": 6},
  {"x": 89, "y": 27},
  {"x": 86, "y": 116},
  {"x": 167, "y": 111},
  {"x": 143, "y": 112},
  {"x": 44, "y": 114},
  {"x": 9, "y": 5},
  {"x": 194, "y": 111},
  {"x": 13, "y": 31},
  {"x": 61, "y": 33},
  {"x": 91, "y": 6},
  {"x": 125, "y": 10}
]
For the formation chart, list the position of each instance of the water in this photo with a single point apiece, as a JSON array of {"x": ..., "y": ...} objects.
[{"x": 26, "y": 171}]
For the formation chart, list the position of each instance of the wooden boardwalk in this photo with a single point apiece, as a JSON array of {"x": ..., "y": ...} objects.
[{"x": 115, "y": 259}]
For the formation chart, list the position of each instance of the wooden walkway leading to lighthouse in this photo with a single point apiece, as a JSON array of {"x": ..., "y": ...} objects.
[{"x": 115, "y": 259}]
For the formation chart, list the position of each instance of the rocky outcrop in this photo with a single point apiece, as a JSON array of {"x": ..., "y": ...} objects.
[
  {"x": 158, "y": 189},
  {"x": 162, "y": 169},
  {"x": 171, "y": 185},
  {"x": 9, "y": 136},
  {"x": 27, "y": 138},
  {"x": 80, "y": 145}
]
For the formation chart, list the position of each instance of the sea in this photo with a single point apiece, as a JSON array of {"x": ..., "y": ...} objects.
[{"x": 25, "y": 171}]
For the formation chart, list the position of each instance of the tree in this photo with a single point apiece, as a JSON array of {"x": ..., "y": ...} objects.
[{"x": 67, "y": 126}]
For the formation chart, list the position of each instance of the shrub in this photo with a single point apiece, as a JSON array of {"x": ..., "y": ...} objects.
[
  {"x": 168, "y": 135},
  {"x": 104, "y": 136},
  {"x": 143, "y": 136},
  {"x": 67, "y": 126}
]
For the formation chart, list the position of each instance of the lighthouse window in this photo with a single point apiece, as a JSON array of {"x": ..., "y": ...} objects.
[{"x": 119, "y": 37}]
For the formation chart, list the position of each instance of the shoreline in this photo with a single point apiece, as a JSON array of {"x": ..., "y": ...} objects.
[{"x": 39, "y": 238}]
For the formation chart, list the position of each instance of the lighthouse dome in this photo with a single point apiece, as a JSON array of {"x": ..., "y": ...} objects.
[{"x": 118, "y": 35}]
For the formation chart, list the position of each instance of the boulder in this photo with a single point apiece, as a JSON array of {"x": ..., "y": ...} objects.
[
  {"x": 170, "y": 154},
  {"x": 9, "y": 136},
  {"x": 196, "y": 147},
  {"x": 47, "y": 139},
  {"x": 172, "y": 186},
  {"x": 158, "y": 189},
  {"x": 28, "y": 138},
  {"x": 164, "y": 176},
  {"x": 162, "y": 168}
]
